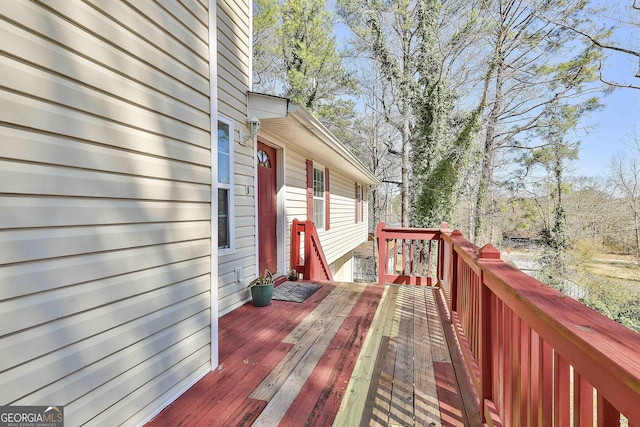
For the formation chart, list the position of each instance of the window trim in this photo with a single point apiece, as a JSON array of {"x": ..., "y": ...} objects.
[
  {"x": 359, "y": 201},
  {"x": 230, "y": 186},
  {"x": 363, "y": 196},
  {"x": 323, "y": 198},
  {"x": 327, "y": 202}
]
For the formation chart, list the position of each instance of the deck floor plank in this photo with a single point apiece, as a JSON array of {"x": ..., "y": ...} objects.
[
  {"x": 235, "y": 331},
  {"x": 319, "y": 314},
  {"x": 449, "y": 400},
  {"x": 427, "y": 410},
  {"x": 222, "y": 412},
  {"x": 401, "y": 406},
  {"x": 305, "y": 341},
  {"x": 366, "y": 367},
  {"x": 325, "y": 387},
  {"x": 293, "y": 383},
  {"x": 352, "y": 354}
]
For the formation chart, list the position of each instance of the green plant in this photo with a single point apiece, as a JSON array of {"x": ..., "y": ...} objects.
[{"x": 265, "y": 280}]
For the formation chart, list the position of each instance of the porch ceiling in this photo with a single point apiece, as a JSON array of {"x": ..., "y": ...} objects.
[{"x": 294, "y": 126}]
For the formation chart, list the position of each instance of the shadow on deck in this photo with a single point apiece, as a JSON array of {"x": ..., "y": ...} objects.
[{"x": 351, "y": 354}]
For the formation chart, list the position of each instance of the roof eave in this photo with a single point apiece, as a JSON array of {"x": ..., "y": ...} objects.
[{"x": 269, "y": 109}]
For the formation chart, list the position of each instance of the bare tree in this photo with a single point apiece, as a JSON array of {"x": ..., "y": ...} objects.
[
  {"x": 537, "y": 63},
  {"x": 625, "y": 177},
  {"x": 415, "y": 47}
]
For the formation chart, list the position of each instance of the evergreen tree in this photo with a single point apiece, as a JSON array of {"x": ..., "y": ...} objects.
[
  {"x": 553, "y": 156},
  {"x": 299, "y": 59}
]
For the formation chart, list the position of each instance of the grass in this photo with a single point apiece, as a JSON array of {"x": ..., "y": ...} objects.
[{"x": 612, "y": 282}]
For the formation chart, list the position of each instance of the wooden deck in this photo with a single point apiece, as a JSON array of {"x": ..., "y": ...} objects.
[{"x": 351, "y": 354}]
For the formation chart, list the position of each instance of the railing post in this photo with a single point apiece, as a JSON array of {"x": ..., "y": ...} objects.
[
  {"x": 308, "y": 264},
  {"x": 453, "y": 273},
  {"x": 382, "y": 253},
  {"x": 295, "y": 244},
  {"x": 444, "y": 228},
  {"x": 485, "y": 348}
]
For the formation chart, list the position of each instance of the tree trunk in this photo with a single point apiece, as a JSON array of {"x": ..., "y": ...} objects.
[
  {"x": 406, "y": 149},
  {"x": 487, "y": 159},
  {"x": 377, "y": 206},
  {"x": 486, "y": 173},
  {"x": 636, "y": 222}
]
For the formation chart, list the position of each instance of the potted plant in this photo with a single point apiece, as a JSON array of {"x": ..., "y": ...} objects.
[{"x": 262, "y": 289}]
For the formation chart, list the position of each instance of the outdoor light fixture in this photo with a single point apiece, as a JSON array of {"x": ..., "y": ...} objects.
[{"x": 254, "y": 127}]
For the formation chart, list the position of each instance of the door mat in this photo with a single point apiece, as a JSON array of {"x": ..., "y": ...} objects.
[{"x": 294, "y": 291}]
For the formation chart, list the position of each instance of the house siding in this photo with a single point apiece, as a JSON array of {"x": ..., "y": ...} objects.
[
  {"x": 233, "y": 82},
  {"x": 344, "y": 234},
  {"x": 105, "y": 196}
]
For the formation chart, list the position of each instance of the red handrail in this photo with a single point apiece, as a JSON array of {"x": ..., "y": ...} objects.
[
  {"x": 416, "y": 248},
  {"x": 314, "y": 266},
  {"x": 534, "y": 355}
]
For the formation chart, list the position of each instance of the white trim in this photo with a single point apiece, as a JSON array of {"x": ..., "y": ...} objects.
[
  {"x": 255, "y": 143},
  {"x": 175, "y": 397},
  {"x": 301, "y": 126},
  {"x": 213, "y": 102},
  {"x": 255, "y": 204},
  {"x": 281, "y": 197},
  {"x": 230, "y": 186},
  {"x": 281, "y": 220},
  {"x": 322, "y": 169},
  {"x": 250, "y": 44},
  {"x": 359, "y": 203}
]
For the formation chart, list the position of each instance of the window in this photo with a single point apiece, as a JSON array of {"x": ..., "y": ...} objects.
[
  {"x": 318, "y": 197},
  {"x": 225, "y": 185},
  {"x": 263, "y": 159}
]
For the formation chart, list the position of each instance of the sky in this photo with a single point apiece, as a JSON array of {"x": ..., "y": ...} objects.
[
  {"x": 614, "y": 123},
  {"x": 610, "y": 127}
]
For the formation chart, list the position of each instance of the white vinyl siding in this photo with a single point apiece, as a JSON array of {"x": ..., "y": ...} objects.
[
  {"x": 105, "y": 201},
  {"x": 233, "y": 82},
  {"x": 343, "y": 236}
]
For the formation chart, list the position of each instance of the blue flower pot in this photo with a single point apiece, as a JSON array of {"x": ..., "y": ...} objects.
[{"x": 262, "y": 295}]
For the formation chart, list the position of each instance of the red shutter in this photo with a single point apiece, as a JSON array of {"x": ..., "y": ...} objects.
[
  {"x": 309, "y": 190},
  {"x": 362, "y": 198},
  {"x": 356, "y": 204},
  {"x": 327, "y": 199}
]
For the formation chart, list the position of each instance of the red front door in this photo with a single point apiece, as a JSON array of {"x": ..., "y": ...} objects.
[{"x": 267, "y": 208}]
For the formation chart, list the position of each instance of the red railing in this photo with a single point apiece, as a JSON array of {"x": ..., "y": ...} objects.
[
  {"x": 313, "y": 266},
  {"x": 534, "y": 356},
  {"x": 416, "y": 249}
]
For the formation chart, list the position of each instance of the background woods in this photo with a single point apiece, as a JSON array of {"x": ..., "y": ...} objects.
[{"x": 473, "y": 112}]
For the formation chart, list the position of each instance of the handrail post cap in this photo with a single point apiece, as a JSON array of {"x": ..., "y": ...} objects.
[{"x": 488, "y": 251}]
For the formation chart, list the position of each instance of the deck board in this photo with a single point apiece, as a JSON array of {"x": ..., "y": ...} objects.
[
  {"x": 352, "y": 354},
  {"x": 323, "y": 391},
  {"x": 363, "y": 400},
  {"x": 309, "y": 357},
  {"x": 401, "y": 407},
  {"x": 426, "y": 392}
]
